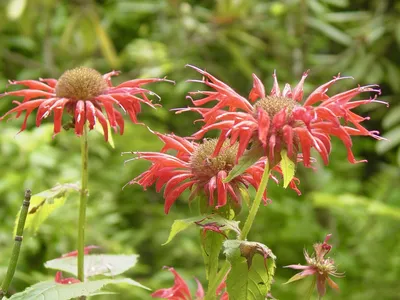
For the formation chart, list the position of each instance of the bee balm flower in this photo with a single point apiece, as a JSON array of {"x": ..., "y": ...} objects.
[
  {"x": 86, "y": 95},
  {"x": 194, "y": 168},
  {"x": 282, "y": 120},
  {"x": 318, "y": 266}
]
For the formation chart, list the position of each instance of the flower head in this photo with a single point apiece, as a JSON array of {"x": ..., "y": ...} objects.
[
  {"x": 318, "y": 266},
  {"x": 86, "y": 95},
  {"x": 194, "y": 168},
  {"x": 180, "y": 290},
  {"x": 282, "y": 120}
]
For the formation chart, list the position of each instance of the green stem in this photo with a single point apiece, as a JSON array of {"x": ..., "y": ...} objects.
[
  {"x": 256, "y": 202},
  {"x": 83, "y": 204},
  {"x": 212, "y": 288},
  {"x": 213, "y": 259},
  {"x": 17, "y": 244}
]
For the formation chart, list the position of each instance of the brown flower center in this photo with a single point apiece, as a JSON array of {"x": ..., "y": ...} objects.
[
  {"x": 81, "y": 83},
  {"x": 204, "y": 165},
  {"x": 273, "y": 104}
]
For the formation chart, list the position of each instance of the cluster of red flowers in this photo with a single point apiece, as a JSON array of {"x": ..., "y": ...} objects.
[{"x": 275, "y": 122}]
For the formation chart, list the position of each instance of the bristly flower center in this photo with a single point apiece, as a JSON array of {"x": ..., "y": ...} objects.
[
  {"x": 273, "y": 104},
  {"x": 204, "y": 165},
  {"x": 81, "y": 83}
]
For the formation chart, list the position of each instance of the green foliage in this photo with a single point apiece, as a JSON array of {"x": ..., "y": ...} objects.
[
  {"x": 95, "y": 264},
  {"x": 214, "y": 219},
  {"x": 211, "y": 243},
  {"x": 251, "y": 273},
  {"x": 49, "y": 290},
  {"x": 181, "y": 225},
  {"x": 288, "y": 168},
  {"x": 246, "y": 160},
  {"x": 44, "y": 203}
]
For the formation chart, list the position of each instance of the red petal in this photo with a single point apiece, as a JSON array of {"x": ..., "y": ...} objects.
[
  {"x": 79, "y": 117},
  {"x": 170, "y": 199},
  {"x": 258, "y": 90},
  {"x": 221, "y": 188}
]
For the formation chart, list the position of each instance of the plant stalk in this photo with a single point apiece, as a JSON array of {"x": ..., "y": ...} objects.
[
  {"x": 83, "y": 204},
  {"x": 17, "y": 244},
  {"x": 212, "y": 288},
  {"x": 256, "y": 202}
]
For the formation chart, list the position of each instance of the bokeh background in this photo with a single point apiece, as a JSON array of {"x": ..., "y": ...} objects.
[{"x": 358, "y": 204}]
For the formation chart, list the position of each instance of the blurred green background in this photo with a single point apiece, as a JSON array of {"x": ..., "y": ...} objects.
[{"x": 358, "y": 204}]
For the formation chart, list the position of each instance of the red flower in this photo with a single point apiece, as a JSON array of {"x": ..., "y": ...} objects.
[
  {"x": 70, "y": 280},
  {"x": 282, "y": 120},
  {"x": 180, "y": 290},
  {"x": 194, "y": 168},
  {"x": 318, "y": 266},
  {"x": 86, "y": 95}
]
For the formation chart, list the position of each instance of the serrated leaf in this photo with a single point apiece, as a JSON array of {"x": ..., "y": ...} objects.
[
  {"x": 260, "y": 278},
  {"x": 247, "y": 160},
  {"x": 181, "y": 225},
  {"x": 15, "y": 9},
  {"x": 44, "y": 203},
  {"x": 50, "y": 290},
  {"x": 288, "y": 168},
  {"x": 95, "y": 264},
  {"x": 251, "y": 274},
  {"x": 237, "y": 279}
]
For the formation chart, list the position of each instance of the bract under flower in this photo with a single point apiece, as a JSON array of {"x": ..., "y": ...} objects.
[
  {"x": 85, "y": 94},
  {"x": 282, "y": 119}
]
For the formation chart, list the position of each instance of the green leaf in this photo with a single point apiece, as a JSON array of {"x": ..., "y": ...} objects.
[
  {"x": 330, "y": 31},
  {"x": 250, "y": 277},
  {"x": 217, "y": 220},
  {"x": 288, "y": 168},
  {"x": 247, "y": 160},
  {"x": 95, "y": 264},
  {"x": 44, "y": 203},
  {"x": 237, "y": 279},
  {"x": 210, "y": 248},
  {"x": 15, "y": 9},
  {"x": 181, "y": 225},
  {"x": 295, "y": 277},
  {"x": 260, "y": 278},
  {"x": 50, "y": 290}
]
